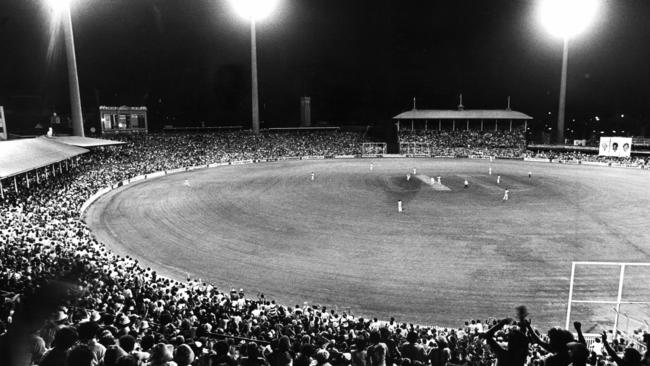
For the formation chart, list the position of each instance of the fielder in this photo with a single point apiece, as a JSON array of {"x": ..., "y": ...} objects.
[
  {"x": 371, "y": 166},
  {"x": 186, "y": 183},
  {"x": 505, "y": 194},
  {"x": 530, "y": 174},
  {"x": 498, "y": 179},
  {"x": 466, "y": 183},
  {"x": 490, "y": 171},
  {"x": 414, "y": 171},
  {"x": 399, "y": 206},
  {"x": 408, "y": 177},
  {"x": 312, "y": 176}
]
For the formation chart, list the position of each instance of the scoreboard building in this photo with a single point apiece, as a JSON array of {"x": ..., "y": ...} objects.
[{"x": 122, "y": 119}]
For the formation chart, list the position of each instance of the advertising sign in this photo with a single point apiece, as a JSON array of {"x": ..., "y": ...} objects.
[{"x": 615, "y": 146}]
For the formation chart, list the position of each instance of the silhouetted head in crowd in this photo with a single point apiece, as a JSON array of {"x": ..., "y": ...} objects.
[
  {"x": 631, "y": 357},
  {"x": 80, "y": 355},
  {"x": 87, "y": 331},
  {"x": 559, "y": 338},
  {"x": 578, "y": 353},
  {"x": 65, "y": 338}
]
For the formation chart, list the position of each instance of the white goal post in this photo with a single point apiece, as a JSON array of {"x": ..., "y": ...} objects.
[
  {"x": 373, "y": 149},
  {"x": 619, "y": 298}
]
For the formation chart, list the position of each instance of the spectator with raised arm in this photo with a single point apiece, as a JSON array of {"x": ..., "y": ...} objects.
[
  {"x": 631, "y": 357},
  {"x": 517, "y": 350}
]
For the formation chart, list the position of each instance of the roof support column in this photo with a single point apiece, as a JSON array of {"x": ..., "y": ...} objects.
[
  {"x": 2, "y": 191},
  {"x": 412, "y": 124},
  {"x": 467, "y": 125},
  {"x": 66, "y": 165},
  {"x": 53, "y": 170},
  {"x": 439, "y": 125},
  {"x": 496, "y": 124},
  {"x": 481, "y": 125},
  {"x": 453, "y": 125},
  {"x": 15, "y": 185},
  {"x": 525, "y": 126},
  {"x": 60, "y": 168},
  {"x": 27, "y": 179},
  {"x": 426, "y": 122},
  {"x": 37, "y": 180},
  {"x": 510, "y": 125}
]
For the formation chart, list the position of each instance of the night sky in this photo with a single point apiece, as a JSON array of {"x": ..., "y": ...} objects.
[{"x": 360, "y": 61}]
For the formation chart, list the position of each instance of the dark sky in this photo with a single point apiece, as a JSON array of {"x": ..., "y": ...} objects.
[{"x": 360, "y": 61}]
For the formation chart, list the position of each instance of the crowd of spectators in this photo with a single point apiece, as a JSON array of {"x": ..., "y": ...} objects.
[
  {"x": 473, "y": 143},
  {"x": 577, "y": 157},
  {"x": 66, "y": 300}
]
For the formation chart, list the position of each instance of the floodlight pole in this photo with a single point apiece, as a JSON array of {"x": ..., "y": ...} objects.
[
  {"x": 73, "y": 78},
  {"x": 562, "y": 103},
  {"x": 255, "y": 99}
]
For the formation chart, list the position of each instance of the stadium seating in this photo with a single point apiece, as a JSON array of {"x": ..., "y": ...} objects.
[{"x": 503, "y": 144}]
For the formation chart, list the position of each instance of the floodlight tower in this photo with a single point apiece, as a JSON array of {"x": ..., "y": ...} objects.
[
  {"x": 566, "y": 19},
  {"x": 61, "y": 11},
  {"x": 254, "y": 10}
]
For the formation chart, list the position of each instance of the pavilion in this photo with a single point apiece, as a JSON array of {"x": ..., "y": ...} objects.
[{"x": 462, "y": 119}]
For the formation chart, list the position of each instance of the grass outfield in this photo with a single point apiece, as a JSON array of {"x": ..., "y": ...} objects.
[{"x": 339, "y": 240}]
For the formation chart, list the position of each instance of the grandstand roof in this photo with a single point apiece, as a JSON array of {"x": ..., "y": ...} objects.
[
  {"x": 462, "y": 114},
  {"x": 84, "y": 141},
  {"x": 20, "y": 156}
]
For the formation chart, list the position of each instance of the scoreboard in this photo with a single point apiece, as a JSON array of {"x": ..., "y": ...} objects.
[{"x": 123, "y": 119}]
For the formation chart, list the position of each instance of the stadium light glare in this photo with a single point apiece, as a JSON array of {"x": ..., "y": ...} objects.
[
  {"x": 567, "y": 18},
  {"x": 254, "y": 9},
  {"x": 58, "y": 5}
]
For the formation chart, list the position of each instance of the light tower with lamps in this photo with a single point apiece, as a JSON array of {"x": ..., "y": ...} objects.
[
  {"x": 254, "y": 10},
  {"x": 61, "y": 10},
  {"x": 566, "y": 19}
]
